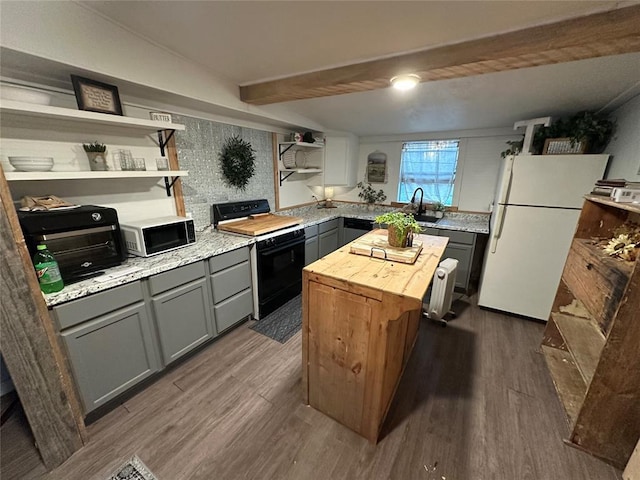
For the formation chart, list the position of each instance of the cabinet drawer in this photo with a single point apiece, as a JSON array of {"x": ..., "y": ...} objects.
[
  {"x": 598, "y": 281},
  {"x": 456, "y": 236},
  {"x": 326, "y": 226},
  {"x": 83, "y": 309},
  {"x": 230, "y": 281},
  {"x": 176, "y": 277},
  {"x": 234, "y": 309},
  {"x": 226, "y": 260},
  {"x": 430, "y": 231},
  {"x": 311, "y": 231}
]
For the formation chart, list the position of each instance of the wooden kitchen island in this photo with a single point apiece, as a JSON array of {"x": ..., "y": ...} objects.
[{"x": 360, "y": 322}]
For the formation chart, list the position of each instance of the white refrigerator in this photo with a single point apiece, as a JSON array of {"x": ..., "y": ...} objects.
[{"x": 535, "y": 213}]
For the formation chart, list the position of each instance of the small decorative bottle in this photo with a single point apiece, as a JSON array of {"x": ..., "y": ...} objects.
[{"x": 47, "y": 270}]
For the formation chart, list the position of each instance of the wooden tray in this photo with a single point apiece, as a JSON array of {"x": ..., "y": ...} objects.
[
  {"x": 260, "y": 224},
  {"x": 377, "y": 246}
]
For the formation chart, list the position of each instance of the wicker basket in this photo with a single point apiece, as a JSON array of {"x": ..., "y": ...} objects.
[{"x": 562, "y": 146}]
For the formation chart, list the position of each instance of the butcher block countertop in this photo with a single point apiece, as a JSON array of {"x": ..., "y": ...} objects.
[
  {"x": 397, "y": 278},
  {"x": 260, "y": 224},
  {"x": 360, "y": 318}
]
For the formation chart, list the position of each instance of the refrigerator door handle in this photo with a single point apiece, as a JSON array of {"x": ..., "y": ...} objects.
[
  {"x": 503, "y": 191},
  {"x": 497, "y": 231}
]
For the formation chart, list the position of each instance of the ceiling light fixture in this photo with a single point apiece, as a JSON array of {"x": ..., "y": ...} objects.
[{"x": 405, "y": 82}]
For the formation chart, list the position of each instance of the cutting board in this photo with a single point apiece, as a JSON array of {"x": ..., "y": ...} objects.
[
  {"x": 376, "y": 246},
  {"x": 260, "y": 224}
]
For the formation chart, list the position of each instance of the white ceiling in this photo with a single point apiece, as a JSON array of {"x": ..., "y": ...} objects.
[{"x": 248, "y": 42}]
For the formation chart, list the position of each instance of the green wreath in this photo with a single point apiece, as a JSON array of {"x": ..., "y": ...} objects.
[{"x": 237, "y": 158}]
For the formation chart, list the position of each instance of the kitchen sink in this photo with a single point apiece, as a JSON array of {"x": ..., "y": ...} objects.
[{"x": 425, "y": 218}]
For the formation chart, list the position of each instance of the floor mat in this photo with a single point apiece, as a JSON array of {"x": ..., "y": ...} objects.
[
  {"x": 283, "y": 323},
  {"x": 134, "y": 469}
]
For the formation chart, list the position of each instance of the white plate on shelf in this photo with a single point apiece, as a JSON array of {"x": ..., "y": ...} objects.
[{"x": 31, "y": 164}]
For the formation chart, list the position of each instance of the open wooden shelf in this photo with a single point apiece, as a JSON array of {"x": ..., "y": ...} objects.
[
  {"x": 88, "y": 175},
  {"x": 46, "y": 113},
  {"x": 584, "y": 340},
  {"x": 567, "y": 379}
]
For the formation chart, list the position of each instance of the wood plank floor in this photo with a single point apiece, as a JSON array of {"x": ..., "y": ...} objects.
[{"x": 476, "y": 402}]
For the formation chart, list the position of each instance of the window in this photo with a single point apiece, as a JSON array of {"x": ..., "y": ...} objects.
[{"x": 430, "y": 165}]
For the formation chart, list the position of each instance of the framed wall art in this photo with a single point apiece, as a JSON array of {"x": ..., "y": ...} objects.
[
  {"x": 377, "y": 167},
  {"x": 94, "y": 96}
]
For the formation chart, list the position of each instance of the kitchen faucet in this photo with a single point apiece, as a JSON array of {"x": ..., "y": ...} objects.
[{"x": 413, "y": 198}]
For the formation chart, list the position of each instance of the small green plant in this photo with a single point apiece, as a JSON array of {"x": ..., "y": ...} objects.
[
  {"x": 515, "y": 147},
  {"x": 369, "y": 195},
  {"x": 438, "y": 206},
  {"x": 94, "y": 147},
  {"x": 594, "y": 128},
  {"x": 237, "y": 160},
  {"x": 401, "y": 226}
]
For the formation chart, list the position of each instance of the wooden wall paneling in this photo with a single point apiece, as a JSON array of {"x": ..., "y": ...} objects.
[
  {"x": 31, "y": 348},
  {"x": 276, "y": 170},
  {"x": 600, "y": 34},
  {"x": 174, "y": 164}
]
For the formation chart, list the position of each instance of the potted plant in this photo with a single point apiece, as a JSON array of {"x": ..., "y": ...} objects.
[
  {"x": 584, "y": 132},
  {"x": 439, "y": 209},
  {"x": 400, "y": 227},
  {"x": 96, "y": 152},
  {"x": 369, "y": 195}
]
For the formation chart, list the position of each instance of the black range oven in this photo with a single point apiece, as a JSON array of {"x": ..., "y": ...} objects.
[
  {"x": 278, "y": 256},
  {"x": 280, "y": 260}
]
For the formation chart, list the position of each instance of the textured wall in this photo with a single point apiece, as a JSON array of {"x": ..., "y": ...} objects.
[{"x": 199, "y": 147}]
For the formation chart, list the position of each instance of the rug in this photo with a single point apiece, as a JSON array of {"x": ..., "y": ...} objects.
[
  {"x": 283, "y": 323},
  {"x": 134, "y": 469}
]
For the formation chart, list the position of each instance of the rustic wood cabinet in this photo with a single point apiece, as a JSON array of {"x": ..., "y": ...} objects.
[
  {"x": 360, "y": 322},
  {"x": 592, "y": 340}
]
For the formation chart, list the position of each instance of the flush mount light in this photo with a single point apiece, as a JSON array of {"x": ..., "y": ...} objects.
[{"x": 405, "y": 82}]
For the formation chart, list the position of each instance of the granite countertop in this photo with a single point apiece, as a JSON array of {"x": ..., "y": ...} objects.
[{"x": 211, "y": 242}]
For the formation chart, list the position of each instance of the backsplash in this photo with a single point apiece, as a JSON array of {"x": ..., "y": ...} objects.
[{"x": 199, "y": 147}]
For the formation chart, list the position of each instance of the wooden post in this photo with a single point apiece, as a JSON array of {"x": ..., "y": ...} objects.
[
  {"x": 30, "y": 347},
  {"x": 178, "y": 197}
]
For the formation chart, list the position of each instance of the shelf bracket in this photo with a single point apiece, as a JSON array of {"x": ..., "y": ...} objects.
[
  {"x": 286, "y": 175},
  {"x": 169, "y": 184},
  {"x": 163, "y": 142},
  {"x": 282, "y": 152}
]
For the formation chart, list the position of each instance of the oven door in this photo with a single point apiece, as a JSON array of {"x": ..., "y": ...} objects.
[
  {"x": 279, "y": 274},
  {"x": 83, "y": 252}
]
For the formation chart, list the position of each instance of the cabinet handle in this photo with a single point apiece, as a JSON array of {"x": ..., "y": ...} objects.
[{"x": 589, "y": 266}]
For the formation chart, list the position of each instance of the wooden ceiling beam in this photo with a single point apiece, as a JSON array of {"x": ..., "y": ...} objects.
[{"x": 609, "y": 33}]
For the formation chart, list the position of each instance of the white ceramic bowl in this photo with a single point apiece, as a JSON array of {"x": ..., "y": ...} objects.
[
  {"x": 24, "y": 94},
  {"x": 31, "y": 164}
]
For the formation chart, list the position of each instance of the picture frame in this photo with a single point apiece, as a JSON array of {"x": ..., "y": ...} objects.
[
  {"x": 376, "y": 167},
  {"x": 94, "y": 96}
]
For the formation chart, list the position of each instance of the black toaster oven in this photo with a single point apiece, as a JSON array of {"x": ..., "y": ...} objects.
[{"x": 84, "y": 240}]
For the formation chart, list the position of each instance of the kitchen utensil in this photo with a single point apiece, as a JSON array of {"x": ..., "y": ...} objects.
[{"x": 31, "y": 164}]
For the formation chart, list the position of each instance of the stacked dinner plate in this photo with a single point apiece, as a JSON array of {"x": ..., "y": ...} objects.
[{"x": 31, "y": 164}]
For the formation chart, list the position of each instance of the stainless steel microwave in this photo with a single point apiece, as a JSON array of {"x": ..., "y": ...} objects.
[{"x": 158, "y": 235}]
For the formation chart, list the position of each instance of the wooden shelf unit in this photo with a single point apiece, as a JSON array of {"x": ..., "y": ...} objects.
[{"x": 592, "y": 340}]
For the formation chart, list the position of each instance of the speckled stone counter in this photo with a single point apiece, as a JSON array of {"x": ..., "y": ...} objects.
[{"x": 210, "y": 243}]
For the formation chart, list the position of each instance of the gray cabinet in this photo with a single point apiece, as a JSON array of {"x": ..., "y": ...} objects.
[
  {"x": 230, "y": 280},
  {"x": 461, "y": 246},
  {"x": 327, "y": 237},
  {"x": 111, "y": 353},
  {"x": 181, "y": 310},
  {"x": 311, "y": 244}
]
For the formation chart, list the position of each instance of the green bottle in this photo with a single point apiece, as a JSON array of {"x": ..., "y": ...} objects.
[{"x": 47, "y": 270}]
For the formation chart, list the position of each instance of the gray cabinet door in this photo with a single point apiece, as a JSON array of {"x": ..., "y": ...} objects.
[
  {"x": 327, "y": 242},
  {"x": 111, "y": 354},
  {"x": 311, "y": 250},
  {"x": 462, "y": 253},
  {"x": 183, "y": 319}
]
